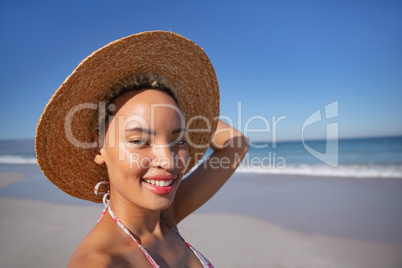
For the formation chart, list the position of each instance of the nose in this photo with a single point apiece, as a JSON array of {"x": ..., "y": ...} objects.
[{"x": 163, "y": 157}]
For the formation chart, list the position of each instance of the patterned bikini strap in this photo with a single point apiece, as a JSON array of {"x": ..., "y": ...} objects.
[
  {"x": 106, "y": 197},
  {"x": 106, "y": 202},
  {"x": 204, "y": 261}
]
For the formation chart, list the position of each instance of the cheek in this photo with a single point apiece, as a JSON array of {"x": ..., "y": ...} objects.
[
  {"x": 138, "y": 161},
  {"x": 182, "y": 159},
  {"x": 123, "y": 161}
]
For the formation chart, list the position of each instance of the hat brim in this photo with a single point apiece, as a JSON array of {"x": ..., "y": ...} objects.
[{"x": 64, "y": 127}]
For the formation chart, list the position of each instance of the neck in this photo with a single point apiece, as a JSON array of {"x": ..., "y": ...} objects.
[{"x": 138, "y": 220}]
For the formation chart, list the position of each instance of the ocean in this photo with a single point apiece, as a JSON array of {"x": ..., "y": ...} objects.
[
  {"x": 364, "y": 157},
  {"x": 359, "y": 157}
]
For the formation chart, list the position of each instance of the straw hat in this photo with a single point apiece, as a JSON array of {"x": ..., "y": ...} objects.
[{"x": 63, "y": 136}]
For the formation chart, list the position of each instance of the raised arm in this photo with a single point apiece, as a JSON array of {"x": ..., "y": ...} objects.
[{"x": 230, "y": 146}]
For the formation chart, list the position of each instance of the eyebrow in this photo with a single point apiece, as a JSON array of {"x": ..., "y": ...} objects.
[
  {"x": 178, "y": 130},
  {"x": 144, "y": 130}
]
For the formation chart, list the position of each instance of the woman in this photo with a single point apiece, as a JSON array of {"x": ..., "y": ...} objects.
[{"x": 132, "y": 119}]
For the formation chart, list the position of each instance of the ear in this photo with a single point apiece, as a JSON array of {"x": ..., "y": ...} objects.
[{"x": 96, "y": 150}]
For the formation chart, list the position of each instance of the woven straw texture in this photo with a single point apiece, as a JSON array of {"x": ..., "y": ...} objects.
[{"x": 185, "y": 65}]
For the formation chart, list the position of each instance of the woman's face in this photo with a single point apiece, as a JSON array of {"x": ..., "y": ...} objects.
[{"x": 145, "y": 149}]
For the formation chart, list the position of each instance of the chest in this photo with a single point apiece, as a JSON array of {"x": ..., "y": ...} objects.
[{"x": 171, "y": 251}]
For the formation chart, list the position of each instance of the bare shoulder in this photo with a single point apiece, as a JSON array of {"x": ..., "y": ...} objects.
[
  {"x": 91, "y": 252},
  {"x": 104, "y": 248},
  {"x": 93, "y": 259},
  {"x": 101, "y": 260}
]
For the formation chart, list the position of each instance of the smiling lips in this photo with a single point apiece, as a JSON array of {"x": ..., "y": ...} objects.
[{"x": 160, "y": 185}]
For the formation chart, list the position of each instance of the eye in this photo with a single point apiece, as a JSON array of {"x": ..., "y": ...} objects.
[
  {"x": 139, "y": 142},
  {"x": 180, "y": 142}
]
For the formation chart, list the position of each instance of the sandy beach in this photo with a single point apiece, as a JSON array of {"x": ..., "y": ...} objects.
[
  {"x": 255, "y": 221},
  {"x": 7, "y": 179}
]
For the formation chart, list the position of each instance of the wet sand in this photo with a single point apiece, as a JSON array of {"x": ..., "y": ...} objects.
[{"x": 6, "y": 179}]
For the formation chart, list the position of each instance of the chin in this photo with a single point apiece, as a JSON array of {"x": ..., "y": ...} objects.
[{"x": 159, "y": 205}]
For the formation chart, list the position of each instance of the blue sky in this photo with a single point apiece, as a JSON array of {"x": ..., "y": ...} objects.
[{"x": 278, "y": 58}]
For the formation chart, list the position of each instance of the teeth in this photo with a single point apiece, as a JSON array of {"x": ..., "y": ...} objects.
[{"x": 161, "y": 183}]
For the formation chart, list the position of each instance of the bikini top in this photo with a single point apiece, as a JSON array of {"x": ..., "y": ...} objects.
[{"x": 204, "y": 261}]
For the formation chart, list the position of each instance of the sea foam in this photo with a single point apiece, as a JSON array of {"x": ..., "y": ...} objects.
[
  {"x": 16, "y": 159},
  {"x": 356, "y": 171}
]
